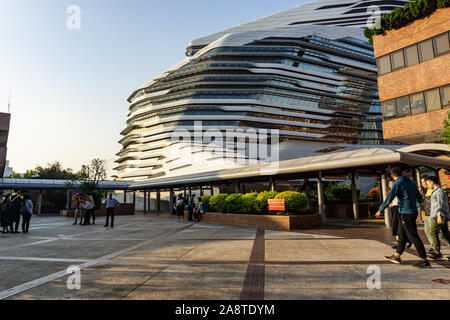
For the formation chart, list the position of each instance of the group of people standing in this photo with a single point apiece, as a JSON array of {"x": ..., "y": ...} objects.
[
  {"x": 13, "y": 206},
  {"x": 404, "y": 199},
  {"x": 85, "y": 209},
  {"x": 194, "y": 209}
]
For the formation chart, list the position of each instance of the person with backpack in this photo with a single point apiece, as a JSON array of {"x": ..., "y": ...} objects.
[
  {"x": 408, "y": 198},
  {"x": 27, "y": 214},
  {"x": 15, "y": 203},
  {"x": 4, "y": 214}
]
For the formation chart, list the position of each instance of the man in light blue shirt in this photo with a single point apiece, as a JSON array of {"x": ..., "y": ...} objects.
[
  {"x": 110, "y": 205},
  {"x": 439, "y": 215}
]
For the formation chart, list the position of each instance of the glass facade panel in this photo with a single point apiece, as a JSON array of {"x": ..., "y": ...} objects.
[
  {"x": 433, "y": 100},
  {"x": 398, "y": 61},
  {"x": 426, "y": 50},
  {"x": 388, "y": 109},
  {"x": 384, "y": 65},
  {"x": 417, "y": 103},
  {"x": 403, "y": 106},
  {"x": 411, "y": 55},
  {"x": 441, "y": 44},
  {"x": 445, "y": 96}
]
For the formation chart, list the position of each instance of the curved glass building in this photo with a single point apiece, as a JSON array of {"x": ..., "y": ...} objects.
[{"x": 307, "y": 74}]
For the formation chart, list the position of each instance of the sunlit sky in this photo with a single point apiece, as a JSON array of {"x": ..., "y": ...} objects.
[{"x": 69, "y": 87}]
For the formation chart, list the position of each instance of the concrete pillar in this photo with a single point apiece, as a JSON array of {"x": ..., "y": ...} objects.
[
  {"x": 190, "y": 192},
  {"x": 184, "y": 193},
  {"x": 145, "y": 201},
  {"x": 308, "y": 193},
  {"x": 201, "y": 191},
  {"x": 211, "y": 186},
  {"x": 272, "y": 185},
  {"x": 158, "y": 201},
  {"x": 149, "y": 205},
  {"x": 384, "y": 188},
  {"x": 171, "y": 201},
  {"x": 237, "y": 187},
  {"x": 321, "y": 197},
  {"x": 124, "y": 196},
  {"x": 355, "y": 198},
  {"x": 39, "y": 206},
  {"x": 134, "y": 201}
]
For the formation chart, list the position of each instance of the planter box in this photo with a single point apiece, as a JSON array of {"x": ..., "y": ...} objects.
[{"x": 283, "y": 223}]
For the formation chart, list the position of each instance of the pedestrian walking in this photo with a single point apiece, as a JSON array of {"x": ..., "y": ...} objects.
[
  {"x": 4, "y": 213},
  {"x": 426, "y": 208},
  {"x": 395, "y": 219},
  {"x": 27, "y": 214},
  {"x": 408, "y": 198},
  {"x": 439, "y": 215},
  {"x": 110, "y": 204},
  {"x": 76, "y": 198},
  {"x": 92, "y": 213},
  {"x": 14, "y": 206},
  {"x": 180, "y": 207},
  {"x": 191, "y": 207}
]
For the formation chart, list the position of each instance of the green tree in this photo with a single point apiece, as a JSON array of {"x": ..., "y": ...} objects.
[{"x": 446, "y": 133}]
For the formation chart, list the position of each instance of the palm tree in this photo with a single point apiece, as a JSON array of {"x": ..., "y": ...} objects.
[{"x": 445, "y": 135}]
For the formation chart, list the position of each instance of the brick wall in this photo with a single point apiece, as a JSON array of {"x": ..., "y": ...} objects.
[{"x": 419, "y": 30}]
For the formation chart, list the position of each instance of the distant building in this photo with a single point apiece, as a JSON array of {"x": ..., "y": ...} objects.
[
  {"x": 5, "y": 119},
  {"x": 8, "y": 170},
  {"x": 308, "y": 72},
  {"x": 414, "y": 79}
]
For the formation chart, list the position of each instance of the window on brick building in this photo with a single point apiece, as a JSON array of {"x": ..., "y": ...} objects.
[
  {"x": 426, "y": 50},
  {"x": 441, "y": 44},
  {"x": 417, "y": 103},
  {"x": 411, "y": 55},
  {"x": 403, "y": 106},
  {"x": 433, "y": 100}
]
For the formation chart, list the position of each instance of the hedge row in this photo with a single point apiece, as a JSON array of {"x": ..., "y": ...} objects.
[
  {"x": 402, "y": 16},
  {"x": 255, "y": 203}
]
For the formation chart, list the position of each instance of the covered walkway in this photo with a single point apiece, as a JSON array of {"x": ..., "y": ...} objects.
[{"x": 370, "y": 162}]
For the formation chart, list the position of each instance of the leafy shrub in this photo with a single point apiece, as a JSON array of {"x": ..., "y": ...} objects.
[
  {"x": 206, "y": 199},
  {"x": 217, "y": 202},
  {"x": 336, "y": 192},
  {"x": 250, "y": 203},
  {"x": 402, "y": 16},
  {"x": 294, "y": 201},
  {"x": 233, "y": 203},
  {"x": 262, "y": 200}
]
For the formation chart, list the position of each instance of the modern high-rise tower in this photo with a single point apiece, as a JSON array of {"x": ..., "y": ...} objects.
[{"x": 307, "y": 72}]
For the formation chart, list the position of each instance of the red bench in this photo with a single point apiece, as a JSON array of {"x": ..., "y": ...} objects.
[{"x": 276, "y": 205}]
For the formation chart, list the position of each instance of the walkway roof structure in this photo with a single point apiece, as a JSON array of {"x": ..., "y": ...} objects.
[
  {"x": 366, "y": 160},
  {"x": 6, "y": 183}
]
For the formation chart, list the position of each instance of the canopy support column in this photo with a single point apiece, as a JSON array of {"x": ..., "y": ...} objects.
[
  {"x": 384, "y": 187},
  {"x": 320, "y": 197},
  {"x": 308, "y": 193},
  {"x": 171, "y": 201},
  {"x": 124, "y": 196},
  {"x": 134, "y": 202},
  {"x": 211, "y": 186},
  {"x": 145, "y": 201},
  {"x": 158, "y": 201},
  {"x": 39, "y": 207},
  {"x": 355, "y": 198},
  {"x": 273, "y": 187}
]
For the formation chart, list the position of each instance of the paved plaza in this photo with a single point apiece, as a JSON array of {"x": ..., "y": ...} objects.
[{"x": 148, "y": 257}]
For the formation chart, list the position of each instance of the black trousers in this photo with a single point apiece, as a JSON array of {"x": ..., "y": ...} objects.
[
  {"x": 395, "y": 221},
  {"x": 408, "y": 230},
  {"x": 110, "y": 213},
  {"x": 26, "y": 221},
  {"x": 87, "y": 216}
]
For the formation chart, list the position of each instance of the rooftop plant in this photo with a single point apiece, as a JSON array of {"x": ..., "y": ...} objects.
[{"x": 402, "y": 16}]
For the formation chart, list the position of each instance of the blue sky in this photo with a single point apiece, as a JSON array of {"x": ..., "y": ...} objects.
[{"x": 69, "y": 87}]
